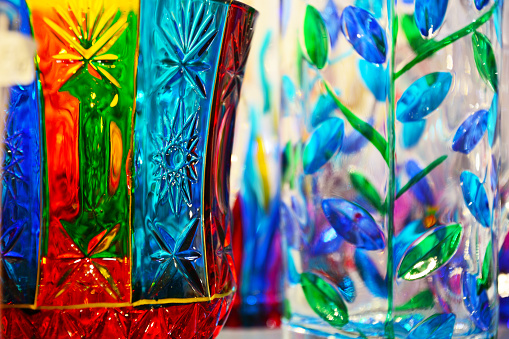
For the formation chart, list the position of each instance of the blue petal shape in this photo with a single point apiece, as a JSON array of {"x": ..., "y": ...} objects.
[
  {"x": 438, "y": 326},
  {"x": 477, "y": 304},
  {"x": 406, "y": 324},
  {"x": 365, "y": 34},
  {"x": 479, "y": 4},
  {"x": 475, "y": 198},
  {"x": 331, "y": 17},
  {"x": 354, "y": 142},
  {"x": 373, "y": 6},
  {"x": 492, "y": 120},
  {"x": 354, "y": 224},
  {"x": 412, "y": 133},
  {"x": 424, "y": 96},
  {"x": 374, "y": 76},
  {"x": 405, "y": 238},
  {"x": 370, "y": 275},
  {"x": 470, "y": 132},
  {"x": 328, "y": 242},
  {"x": 429, "y": 16},
  {"x": 421, "y": 190},
  {"x": 347, "y": 289},
  {"x": 325, "y": 141},
  {"x": 324, "y": 109}
]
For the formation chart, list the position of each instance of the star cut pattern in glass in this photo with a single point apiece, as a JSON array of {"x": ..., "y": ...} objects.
[
  {"x": 176, "y": 256},
  {"x": 176, "y": 158},
  {"x": 186, "y": 38},
  {"x": 93, "y": 32}
]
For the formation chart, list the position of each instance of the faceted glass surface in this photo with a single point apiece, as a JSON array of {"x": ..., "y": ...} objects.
[{"x": 137, "y": 103}]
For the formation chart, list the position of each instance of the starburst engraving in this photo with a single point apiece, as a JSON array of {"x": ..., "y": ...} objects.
[
  {"x": 10, "y": 258},
  {"x": 176, "y": 158},
  {"x": 176, "y": 256},
  {"x": 94, "y": 31},
  {"x": 85, "y": 266},
  {"x": 185, "y": 37}
]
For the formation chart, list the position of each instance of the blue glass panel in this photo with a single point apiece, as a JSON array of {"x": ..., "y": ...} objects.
[
  {"x": 21, "y": 194},
  {"x": 180, "y": 45}
]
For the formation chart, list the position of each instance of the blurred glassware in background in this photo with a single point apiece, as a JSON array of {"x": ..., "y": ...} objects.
[
  {"x": 255, "y": 180},
  {"x": 390, "y": 203}
]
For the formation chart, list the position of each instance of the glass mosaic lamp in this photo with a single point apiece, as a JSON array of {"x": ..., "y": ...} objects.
[
  {"x": 116, "y": 217},
  {"x": 390, "y": 194}
]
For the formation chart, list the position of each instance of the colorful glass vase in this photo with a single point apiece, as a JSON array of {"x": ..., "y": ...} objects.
[
  {"x": 256, "y": 181},
  {"x": 391, "y": 205},
  {"x": 137, "y": 103}
]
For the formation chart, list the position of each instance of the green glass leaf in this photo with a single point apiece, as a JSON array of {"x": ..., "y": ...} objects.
[
  {"x": 314, "y": 38},
  {"x": 485, "y": 60},
  {"x": 412, "y": 34},
  {"x": 430, "y": 251},
  {"x": 487, "y": 273},
  {"x": 361, "y": 126},
  {"x": 366, "y": 189},
  {"x": 422, "y": 301},
  {"x": 415, "y": 179},
  {"x": 324, "y": 299}
]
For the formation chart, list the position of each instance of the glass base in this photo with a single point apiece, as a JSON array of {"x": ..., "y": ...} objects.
[
  {"x": 305, "y": 327},
  {"x": 195, "y": 320}
]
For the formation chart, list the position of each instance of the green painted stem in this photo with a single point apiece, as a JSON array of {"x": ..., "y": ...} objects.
[
  {"x": 428, "y": 50},
  {"x": 421, "y": 175},
  {"x": 361, "y": 126},
  {"x": 391, "y": 155}
]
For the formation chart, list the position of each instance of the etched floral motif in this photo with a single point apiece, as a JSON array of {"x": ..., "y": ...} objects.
[
  {"x": 185, "y": 37},
  {"x": 93, "y": 33},
  {"x": 175, "y": 256},
  {"x": 176, "y": 158}
]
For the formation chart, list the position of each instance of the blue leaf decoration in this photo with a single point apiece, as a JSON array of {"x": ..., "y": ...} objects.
[
  {"x": 421, "y": 190},
  {"x": 365, "y": 34},
  {"x": 374, "y": 76},
  {"x": 477, "y": 304},
  {"x": 412, "y": 133},
  {"x": 354, "y": 224},
  {"x": 470, "y": 132},
  {"x": 354, "y": 142},
  {"x": 324, "y": 109},
  {"x": 347, "y": 289},
  {"x": 328, "y": 242},
  {"x": 373, "y": 6},
  {"x": 479, "y": 4},
  {"x": 492, "y": 120},
  {"x": 325, "y": 141},
  {"x": 406, "y": 237},
  {"x": 423, "y": 97},
  {"x": 475, "y": 198},
  {"x": 370, "y": 275},
  {"x": 429, "y": 16},
  {"x": 438, "y": 326},
  {"x": 331, "y": 17}
]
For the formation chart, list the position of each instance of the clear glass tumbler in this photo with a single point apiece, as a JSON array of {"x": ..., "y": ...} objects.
[{"x": 390, "y": 196}]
